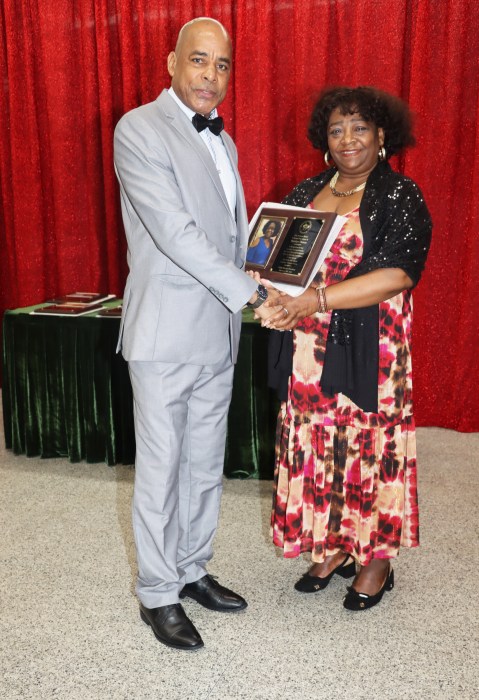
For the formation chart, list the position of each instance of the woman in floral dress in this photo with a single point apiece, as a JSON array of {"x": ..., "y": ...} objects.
[{"x": 345, "y": 474}]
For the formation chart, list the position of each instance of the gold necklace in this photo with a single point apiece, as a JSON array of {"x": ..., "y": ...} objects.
[{"x": 336, "y": 193}]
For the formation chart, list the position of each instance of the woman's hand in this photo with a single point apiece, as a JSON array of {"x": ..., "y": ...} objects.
[{"x": 289, "y": 310}]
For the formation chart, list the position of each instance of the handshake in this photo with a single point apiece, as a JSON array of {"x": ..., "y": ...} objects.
[{"x": 281, "y": 311}]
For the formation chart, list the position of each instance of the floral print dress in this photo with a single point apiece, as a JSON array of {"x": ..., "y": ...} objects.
[{"x": 345, "y": 480}]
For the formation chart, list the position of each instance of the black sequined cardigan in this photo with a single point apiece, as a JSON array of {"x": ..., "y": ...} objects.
[{"x": 396, "y": 227}]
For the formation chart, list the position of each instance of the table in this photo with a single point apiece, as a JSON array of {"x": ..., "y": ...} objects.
[{"x": 66, "y": 393}]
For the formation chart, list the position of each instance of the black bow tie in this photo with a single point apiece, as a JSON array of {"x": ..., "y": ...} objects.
[{"x": 215, "y": 125}]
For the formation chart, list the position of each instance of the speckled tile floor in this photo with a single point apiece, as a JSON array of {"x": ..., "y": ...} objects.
[{"x": 69, "y": 623}]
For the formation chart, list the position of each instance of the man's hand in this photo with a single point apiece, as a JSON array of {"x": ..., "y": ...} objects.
[{"x": 270, "y": 306}]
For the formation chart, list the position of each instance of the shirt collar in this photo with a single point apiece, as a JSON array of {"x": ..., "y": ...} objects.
[{"x": 189, "y": 112}]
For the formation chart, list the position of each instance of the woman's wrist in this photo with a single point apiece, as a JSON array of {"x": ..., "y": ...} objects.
[
  {"x": 322, "y": 301},
  {"x": 311, "y": 304}
]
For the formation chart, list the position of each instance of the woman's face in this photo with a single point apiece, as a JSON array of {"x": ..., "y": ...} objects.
[
  {"x": 353, "y": 143},
  {"x": 269, "y": 231}
]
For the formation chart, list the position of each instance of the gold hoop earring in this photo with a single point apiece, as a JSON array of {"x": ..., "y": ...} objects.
[
  {"x": 382, "y": 153},
  {"x": 326, "y": 159}
]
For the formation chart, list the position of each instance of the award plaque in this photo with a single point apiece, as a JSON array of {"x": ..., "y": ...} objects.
[{"x": 286, "y": 243}]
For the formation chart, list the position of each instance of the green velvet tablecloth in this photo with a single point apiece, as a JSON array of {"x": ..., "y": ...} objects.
[{"x": 67, "y": 393}]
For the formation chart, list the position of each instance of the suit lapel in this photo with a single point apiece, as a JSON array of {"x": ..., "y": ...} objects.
[{"x": 180, "y": 123}]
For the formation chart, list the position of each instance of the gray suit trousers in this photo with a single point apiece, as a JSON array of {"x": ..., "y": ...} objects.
[{"x": 180, "y": 414}]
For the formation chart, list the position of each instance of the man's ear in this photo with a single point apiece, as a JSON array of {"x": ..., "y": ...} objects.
[{"x": 171, "y": 63}]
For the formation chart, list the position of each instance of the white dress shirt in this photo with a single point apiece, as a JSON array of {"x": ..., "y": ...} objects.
[{"x": 218, "y": 152}]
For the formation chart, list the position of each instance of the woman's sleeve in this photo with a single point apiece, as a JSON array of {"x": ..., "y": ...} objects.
[{"x": 405, "y": 234}]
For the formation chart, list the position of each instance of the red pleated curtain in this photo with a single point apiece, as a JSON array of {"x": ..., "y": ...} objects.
[{"x": 71, "y": 68}]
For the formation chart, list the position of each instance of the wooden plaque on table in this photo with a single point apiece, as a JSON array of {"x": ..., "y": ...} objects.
[
  {"x": 82, "y": 299},
  {"x": 285, "y": 244},
  {"x": 66, "y": 309}
]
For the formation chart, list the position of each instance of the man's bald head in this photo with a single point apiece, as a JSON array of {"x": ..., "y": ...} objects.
[{"x": 196, "y": 23}]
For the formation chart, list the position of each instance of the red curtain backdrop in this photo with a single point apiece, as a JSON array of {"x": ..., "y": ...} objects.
[{"x": 71, "y": 68}]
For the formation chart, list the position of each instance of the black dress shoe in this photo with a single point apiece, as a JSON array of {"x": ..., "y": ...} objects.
[
  {"x": 212, "y": 595},
  {"x": 172, "y": 626},
  {"x": 355, "y": 600},
  {"x": 311, "y": 584}
]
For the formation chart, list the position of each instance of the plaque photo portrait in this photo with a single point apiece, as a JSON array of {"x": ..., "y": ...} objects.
[{"x": 264, "y": 239}]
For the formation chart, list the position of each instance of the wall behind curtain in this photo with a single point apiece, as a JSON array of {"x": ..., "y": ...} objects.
[{"x": 71, "y": 68}]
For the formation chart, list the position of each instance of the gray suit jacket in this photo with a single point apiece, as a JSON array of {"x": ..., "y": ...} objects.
[{"x": 184, "y": 293}]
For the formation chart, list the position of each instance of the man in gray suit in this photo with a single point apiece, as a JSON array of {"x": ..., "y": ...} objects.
[{"x": 186, "y": 225}]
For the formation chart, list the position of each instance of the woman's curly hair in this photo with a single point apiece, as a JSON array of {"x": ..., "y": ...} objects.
[
  {"x": 382, "y": 109},
  {"x": 276, "y": 224}
]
